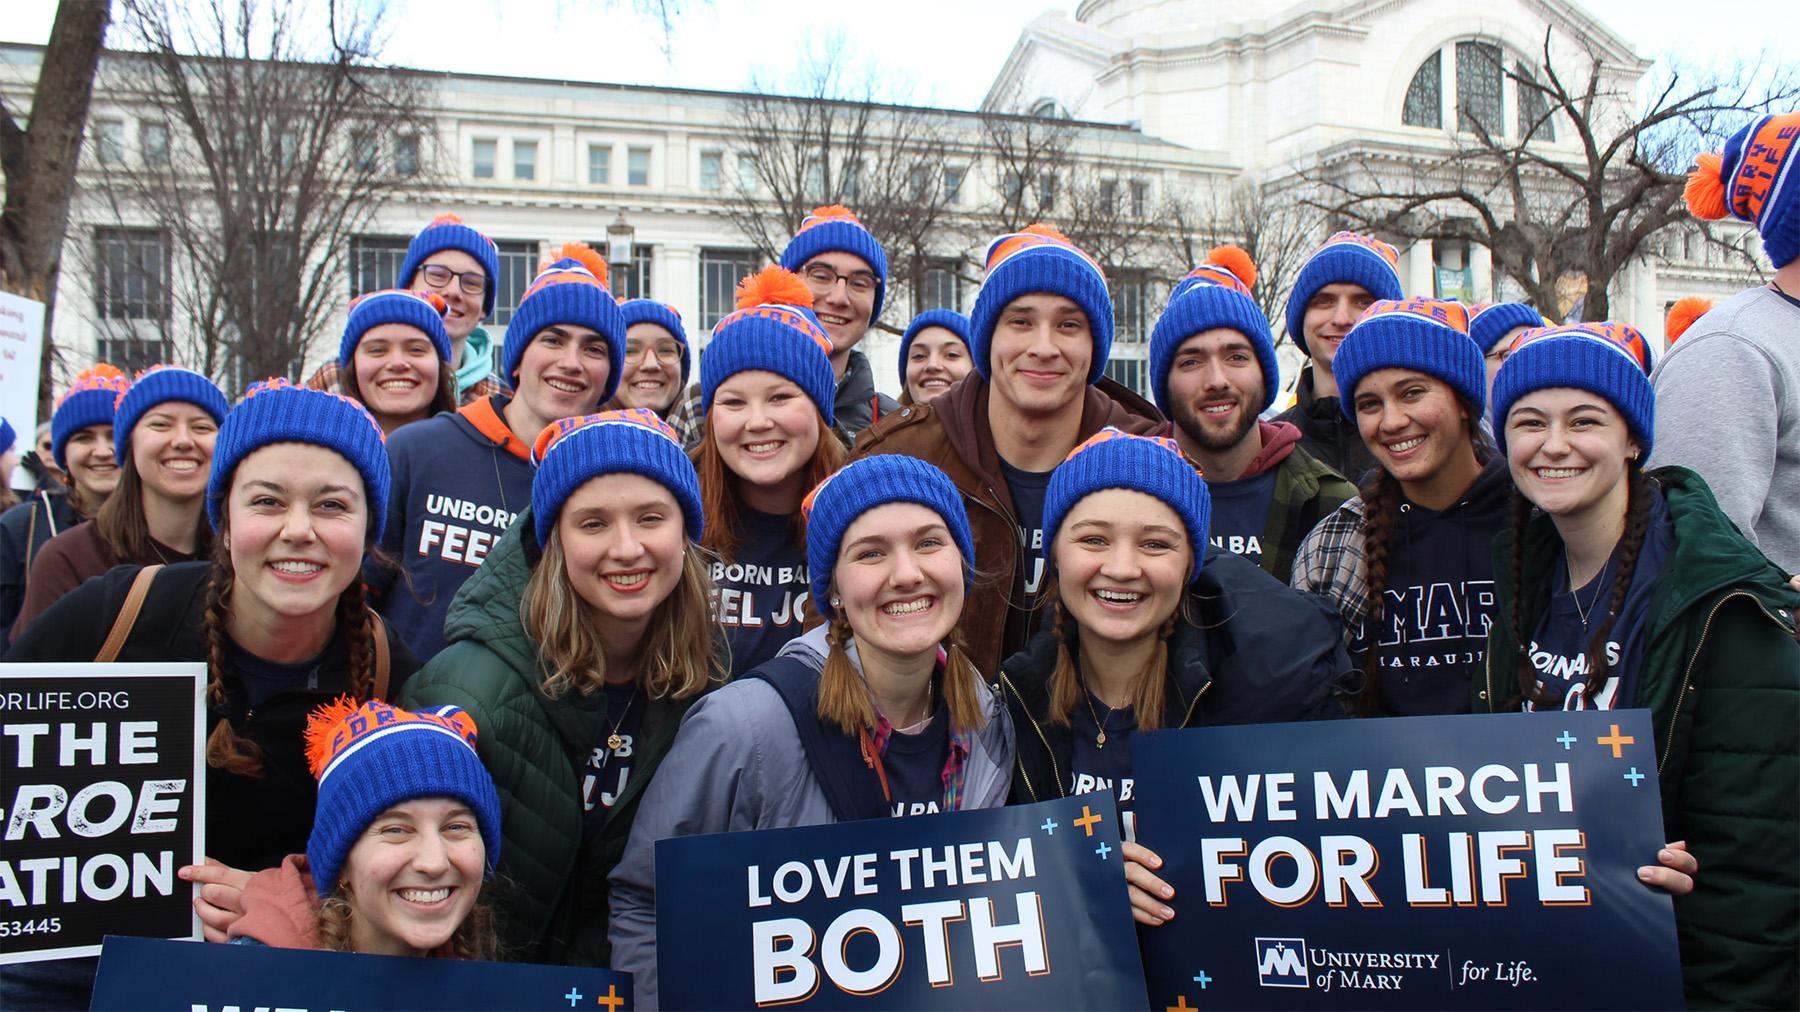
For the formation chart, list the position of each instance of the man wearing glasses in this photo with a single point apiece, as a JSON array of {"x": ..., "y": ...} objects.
[
  {"x": 847, "y": 271},
  {"x": 461, "y": 265}
]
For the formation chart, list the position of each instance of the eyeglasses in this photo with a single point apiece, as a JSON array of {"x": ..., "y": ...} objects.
[
  {"x": 665, "y": 351},
  {"x": 438, "y": 276},
  {"x": 823, "y": 276}
]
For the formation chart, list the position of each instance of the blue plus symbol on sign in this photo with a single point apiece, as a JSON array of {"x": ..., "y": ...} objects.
[
  {"x": 573, "y": 996},
  {"x": 1568, "y": 740},
  {"x": 1049, "y": 826},
  {"x": 1634, "y": 776},
  {"x": 1202, "y": 979},
  {"x": 1103, "y": 850}
]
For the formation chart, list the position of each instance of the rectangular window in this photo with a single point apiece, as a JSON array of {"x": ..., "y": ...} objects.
[
  {"x": 524, "y": 159},
  {"x": 375, "y": 263},
  {"x": 1014, "y": 190},
  {"x": 1046, "y": 192},
  {"x": 518, "y": 262},
  {"x": 406, "y": 155},
  {"x": 941, "y": 287},
  {"x": 109, "y": 141},
  {"x": 1131, "y": 306},
  {"x": 365, "y": 152},
  {"x": 1140, "y": 198},
  {"x": 815, "y": 182},
  {"x": 599, "y": 164},
  {"x": 132, "y": 282},
  {"x": 482, "y": 157},
  {"x": 153, "y": 143},
  {"x": 918, "y": 183},
  {"x": 746, "y": 173},
  {"x": 637, "y": 167},
  {"x": 720, "y": 271},
  {"x": 1109, "y": 196},
  {"x": 712, "y": 170},
  {"x": 953, "y": 180},
  {"x": 632, "y": 280},
  {"x": 851, "y": 182}
]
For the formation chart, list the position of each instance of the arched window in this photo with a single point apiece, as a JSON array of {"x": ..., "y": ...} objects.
[
  {"x": 1478, "y": 83},
  {"x": 1049, "y": 108},
  {"x": 1424, "y": 97},
  {"x": 1534, "y": 106}
]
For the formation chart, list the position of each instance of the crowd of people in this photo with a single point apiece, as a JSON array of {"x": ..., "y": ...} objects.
[{"x": 602, "y": 594}]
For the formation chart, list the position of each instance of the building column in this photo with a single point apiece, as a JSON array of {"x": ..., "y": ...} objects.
[
  {"x": 675, "y": 279},
  {"x": 1481, "y": 272},
  {"x": 1421, "y": 269}
]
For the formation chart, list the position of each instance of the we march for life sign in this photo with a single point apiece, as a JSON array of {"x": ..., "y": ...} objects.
[{"x": 1468, "y": 862}]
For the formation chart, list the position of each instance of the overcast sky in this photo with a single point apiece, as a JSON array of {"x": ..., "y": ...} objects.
[{"x": 937, "y": 52}]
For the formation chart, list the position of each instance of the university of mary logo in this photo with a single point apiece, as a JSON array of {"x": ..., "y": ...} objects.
[{"x": 1281, "y": 962}]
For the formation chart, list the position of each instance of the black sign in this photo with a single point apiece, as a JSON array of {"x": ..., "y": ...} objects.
[{"x": 103, "y": 795}]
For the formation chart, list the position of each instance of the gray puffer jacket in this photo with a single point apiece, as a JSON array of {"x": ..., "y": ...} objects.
[{"x": 737, "y": 764}]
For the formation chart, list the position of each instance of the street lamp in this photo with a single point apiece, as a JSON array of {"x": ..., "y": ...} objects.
[{"x": 619, "y": 239}]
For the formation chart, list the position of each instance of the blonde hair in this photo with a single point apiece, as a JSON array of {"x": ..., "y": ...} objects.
[
  {"x": 678, "y": 658},
  {"x": 844, "y": 696}
]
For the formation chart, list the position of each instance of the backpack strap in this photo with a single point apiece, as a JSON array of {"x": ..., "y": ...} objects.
[
  {"x": 134, "y": 603},
  {"x": 378, "y": 632},
  {"x": 852, "y": 779}
]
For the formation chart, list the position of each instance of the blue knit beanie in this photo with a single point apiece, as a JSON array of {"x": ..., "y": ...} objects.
[
  {"x": 1215, "y": 294},
  {"x": 1153, "y": 465},
  {"x": 636, "y": 311},
  {"x": 1429, "y": 335},
  {"x": 570, "y": 288},
  {"x": 572, "y": 451},
  {"x": 1753, "y": 181},
  {"x": 1040, "y": 259},
  {"x": 422, "y": 311},
  {"x": 90, "y": 400},
  {"x": 277, "y": 411},
  {"x": 1491, "y": 321},
  {"x": 8, "y": 438},
  {"x": 371, "y": 757},
  {"x": 859, "y": 487},
  {"x": 834, "y": 229},
  {"x": 773, "y": 329},
  {"x": 1345, "y": 258},
  {"x": 447, "y": 231},
  {"x": 160, "y": 384},
  {"x": 949, "y": 319},
  {"x": 1584, "y": 357}
]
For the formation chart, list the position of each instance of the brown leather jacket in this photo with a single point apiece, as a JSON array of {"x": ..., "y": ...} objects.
[{"x": 952, "y": 433}]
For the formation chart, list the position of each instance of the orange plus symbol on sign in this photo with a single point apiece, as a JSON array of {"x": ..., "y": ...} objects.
[
  {"x": 1180, "y": 1005},
  {"x": 611, "y": 999},
  {"x": 1616, "y": 741},
  {"x": 1087, "y": 820}
]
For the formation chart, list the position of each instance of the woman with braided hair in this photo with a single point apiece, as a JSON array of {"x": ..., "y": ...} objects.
[
  {"x": 1619, "y": 589},
  {"x": 876, "y": 713},
  {"x": 1151, "y": 632},
  {"x": 297, "y": 496}
]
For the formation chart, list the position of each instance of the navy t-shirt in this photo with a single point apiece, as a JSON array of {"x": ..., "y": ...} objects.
[
  {"x": 1240, "y": 514},
  {"x": 1559, "y": 644},
  {"x": 1104, "y": 767},
  {"x": 608, "y": 768},
  {"x": 760, "y": 595},
  {"x": 914, "y": 764},
  {"x": 1028, "y": 488},
  {"x": 265, "y": 679}
]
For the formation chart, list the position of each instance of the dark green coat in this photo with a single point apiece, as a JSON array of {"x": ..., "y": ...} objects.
[
  {"x": 549, "y": 894},
  {"x": 1721, "y": 677}
]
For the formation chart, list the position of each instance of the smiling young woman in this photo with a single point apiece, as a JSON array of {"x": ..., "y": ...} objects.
[
  {"x": 395, "y": 357},
  {"x": 297, "y": 491},
  {"x": 407, "y": 829},
  {"x": 163, "y": 432},
  {"x": 1632, "y": 589},
  {"x": 656, "y": 357},
  {"x": 579, "y": 644},
  {"x": 876, "y": 713},
  {"x": 767, "y": 391},
  {"x": 934, "y": 355}
]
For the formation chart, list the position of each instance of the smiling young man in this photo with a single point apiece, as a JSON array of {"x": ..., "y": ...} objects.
[
  {"x": 1213, "y": 372},
  {"x": 462, "y": 266},
  {"x": 460, "y": 479},
  {"x": 1041, "y": 331},
  {"x": 1345, "y": 276},
  {"x": 847, "y": 271}
]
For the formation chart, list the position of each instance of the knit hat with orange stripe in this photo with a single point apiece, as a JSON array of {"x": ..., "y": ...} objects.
[
  {"x": 773, "y": 329},
  {"x": 835, "y": 229},
  {"x": 1753, "y": 180},
  {"x": 570, "y": 288},
  {"x": 1040, "y": 259},
  {"x": 1428, "y": 335}
]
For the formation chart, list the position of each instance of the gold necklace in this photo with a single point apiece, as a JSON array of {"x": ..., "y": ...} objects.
[
  {"x": 615, "y": 741},
  {"x": 1099, "y": 739}
]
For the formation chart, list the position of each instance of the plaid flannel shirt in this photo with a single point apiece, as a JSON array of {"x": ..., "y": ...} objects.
[{"x": 1332, "y": 565}]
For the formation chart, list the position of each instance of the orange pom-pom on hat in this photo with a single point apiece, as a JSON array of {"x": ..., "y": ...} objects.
[
  {"x": 1683, "y": 314},
  {"x": 775, "y": 330},
  {"x": 1753, "y": 181},
  {"x": 773, "y": 286},
  {"x": 583, "y": 254},
  {"x": 570, "y": 289},
  {"x": 1704, "y": 193},
  {"x": 1214, "y": 295}
]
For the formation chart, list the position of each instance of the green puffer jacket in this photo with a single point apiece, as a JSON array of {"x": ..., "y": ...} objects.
[
  {"x": 1721, "y": 677},
  {"x": 549, "y": 893}
]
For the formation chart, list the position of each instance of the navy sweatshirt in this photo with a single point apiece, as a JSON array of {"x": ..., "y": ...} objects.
[
  {"x": 1439, "y": 602},
  {"x": 459, "y": 480}
]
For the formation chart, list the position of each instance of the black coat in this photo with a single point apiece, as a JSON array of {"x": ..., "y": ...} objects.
[
  {"x": 1254, "y": 652},
  {"x": 1325, "y": 432},
  {"x": 23, "y": 530},
  {"x": 251, "y": 822}
]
